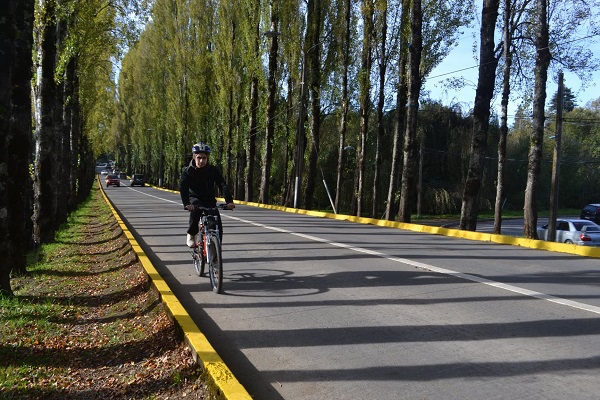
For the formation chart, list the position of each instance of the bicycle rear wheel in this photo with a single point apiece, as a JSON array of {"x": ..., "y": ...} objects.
[{"x": 215, "y": 264}]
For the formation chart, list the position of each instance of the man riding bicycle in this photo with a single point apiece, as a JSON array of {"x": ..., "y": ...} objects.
[{"x": 197, "y": 189}]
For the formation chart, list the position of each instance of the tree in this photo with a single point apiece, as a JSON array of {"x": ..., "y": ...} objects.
[
  {"x": 365, "y": 102},
  {"x": 15, "y": 121},
  {"x": 271, "y": 89},
  {"x": 507, "y": 54},
  {"x": 344, "y": 50},
  {"x": 253, "y": 112},
  {"x": 47, "y": 123},
  {"x": 381, "y": 8},
  {"x": 569, "y": 101},
  {"x": 414, "y": 89},
  {"x": 440, "y": 32},
  {"x": 481, "y": 115},
  {"x": 542, "y": 62},
  {"x": 401, "y": 97},
  {"x": 314, "y": 28}
]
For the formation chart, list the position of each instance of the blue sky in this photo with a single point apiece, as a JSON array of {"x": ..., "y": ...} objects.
[{"x": 460, "y": 63}]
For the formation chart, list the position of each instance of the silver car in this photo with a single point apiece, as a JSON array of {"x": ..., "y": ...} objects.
[{"x": 577, "y": 231}]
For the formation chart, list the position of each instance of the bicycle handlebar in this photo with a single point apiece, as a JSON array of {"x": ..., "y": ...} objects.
[{"x": 218, "y": 207}]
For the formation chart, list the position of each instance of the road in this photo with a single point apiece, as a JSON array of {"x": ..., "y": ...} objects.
[{"x": 325, "y": 309}]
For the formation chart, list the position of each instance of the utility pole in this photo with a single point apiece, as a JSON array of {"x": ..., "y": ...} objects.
[{"x": 556, "y": 163}]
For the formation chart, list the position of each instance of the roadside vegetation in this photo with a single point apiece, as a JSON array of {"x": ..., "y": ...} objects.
[{"x": 85, "y": 322}]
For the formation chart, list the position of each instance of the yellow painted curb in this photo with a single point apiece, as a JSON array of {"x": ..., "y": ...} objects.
[
  {"x": 584, "y": 251},
  {"x": 203, "y": 351},
  {"x": 593, "y": 252}
]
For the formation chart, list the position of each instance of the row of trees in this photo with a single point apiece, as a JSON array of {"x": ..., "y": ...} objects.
[
  {"x": 289, "y": 93},
  {"x": 56, "y": 77}
]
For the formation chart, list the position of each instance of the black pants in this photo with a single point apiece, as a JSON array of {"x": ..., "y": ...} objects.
[{"x": 195, "y": 218}]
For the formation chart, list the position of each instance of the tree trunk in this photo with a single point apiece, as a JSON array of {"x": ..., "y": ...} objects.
[
  {"x": 251, "y": 152},
  {"x": 62, "y": 132},
  {"x": 503, "y": 118},
  {"x": 414, "y": 84},
  {"x": 314, "y": 57},
  {"x": 380, "y": 127},
  {"x": 46, "y": 152},
  {"x": 399, "y": 125},
  {"x": 15, "y": 138},
  {"x": 481, "y": 115},
  {"x": 365, "y": 99},
  {"x": 270, "y": 131},
  {"x": 542, "y": 61},
  {"x": 229, "y": 145},
  {"x": 344, "y": 112}
]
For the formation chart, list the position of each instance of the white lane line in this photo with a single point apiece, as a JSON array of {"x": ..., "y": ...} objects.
[
  {"x": 156, "y": 197},
  {"x": 473, "y": 278}
]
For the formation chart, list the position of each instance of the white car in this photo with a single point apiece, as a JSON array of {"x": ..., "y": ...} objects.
[{"x": 577, "y": 231}]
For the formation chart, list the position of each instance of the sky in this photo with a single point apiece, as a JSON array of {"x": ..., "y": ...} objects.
[{"x": 460, "y": 63}]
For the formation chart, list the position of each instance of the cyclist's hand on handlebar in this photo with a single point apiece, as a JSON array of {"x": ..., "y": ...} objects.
[
  {"x": 230, "y": 206},
  {"x": 189, "y": 207}
]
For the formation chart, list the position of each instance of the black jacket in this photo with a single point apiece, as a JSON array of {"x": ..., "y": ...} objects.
[{"x": 200, "y": 184}]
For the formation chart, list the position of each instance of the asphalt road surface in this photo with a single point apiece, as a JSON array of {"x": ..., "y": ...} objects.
[{"x": 316, "y": 308}]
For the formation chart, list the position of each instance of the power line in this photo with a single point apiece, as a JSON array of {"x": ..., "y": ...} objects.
[{"x": 477, "y": 65}]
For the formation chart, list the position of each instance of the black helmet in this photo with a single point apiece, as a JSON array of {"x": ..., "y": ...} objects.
[{"x": 201, "y": 147}]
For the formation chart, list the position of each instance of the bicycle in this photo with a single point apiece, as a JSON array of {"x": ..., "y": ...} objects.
[{"x": 208, "y": 247}]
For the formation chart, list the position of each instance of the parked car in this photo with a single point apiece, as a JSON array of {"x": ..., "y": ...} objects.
[
  {"x": 577, "y": 231},
  {"x": 138, "y": 179},
  {"x": 112, "y": 180},
  {"x": 591, "y": 212}
]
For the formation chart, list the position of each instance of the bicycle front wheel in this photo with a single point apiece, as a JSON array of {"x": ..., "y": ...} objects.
[{"x": 215, "y": 264}]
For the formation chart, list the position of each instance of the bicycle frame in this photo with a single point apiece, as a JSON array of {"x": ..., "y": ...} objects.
[
  {"x": 206, "y": 227},
  {"x": 208, "y": 248}
]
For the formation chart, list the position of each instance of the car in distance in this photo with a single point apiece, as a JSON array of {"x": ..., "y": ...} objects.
[
  {"x": 137, "y": 179},
  {"x": 112, "y": 180},
  {"x": 591, "y": 212},
  {"x": 577, "y": 231}
]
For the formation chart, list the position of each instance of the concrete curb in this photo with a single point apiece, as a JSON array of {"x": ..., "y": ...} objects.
[{"x": 203, "y": 352}]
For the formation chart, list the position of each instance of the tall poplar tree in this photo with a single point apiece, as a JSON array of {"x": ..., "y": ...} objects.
[
  {"x": 344, "y": 51},
  {"x": 481, "y": 115},
  {"x": 367, "y": 10},
  {"x": 414, "y": 89},
  {"x": 542, "y": 61},
  {"x": 15, "y": 136}
]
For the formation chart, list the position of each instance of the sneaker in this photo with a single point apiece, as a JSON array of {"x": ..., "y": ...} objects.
[{"x": 191, "y": 240}]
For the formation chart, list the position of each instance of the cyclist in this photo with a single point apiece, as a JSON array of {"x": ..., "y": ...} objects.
[{"x": 197, "y": 188}]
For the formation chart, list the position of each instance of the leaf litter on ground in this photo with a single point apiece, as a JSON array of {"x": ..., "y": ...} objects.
[{"x": 85, "y": 322}]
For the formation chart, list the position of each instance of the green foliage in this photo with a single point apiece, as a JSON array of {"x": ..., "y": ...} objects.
[
  {"x": 569, "y": 101},
  {"x": 189, "y": 75}
]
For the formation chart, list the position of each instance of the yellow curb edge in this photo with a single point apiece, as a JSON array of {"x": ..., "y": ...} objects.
[
  {"x": 584, "y": 251},
  {"x": 202, "y": 350},
  {"x": 593, "y": 252}
]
